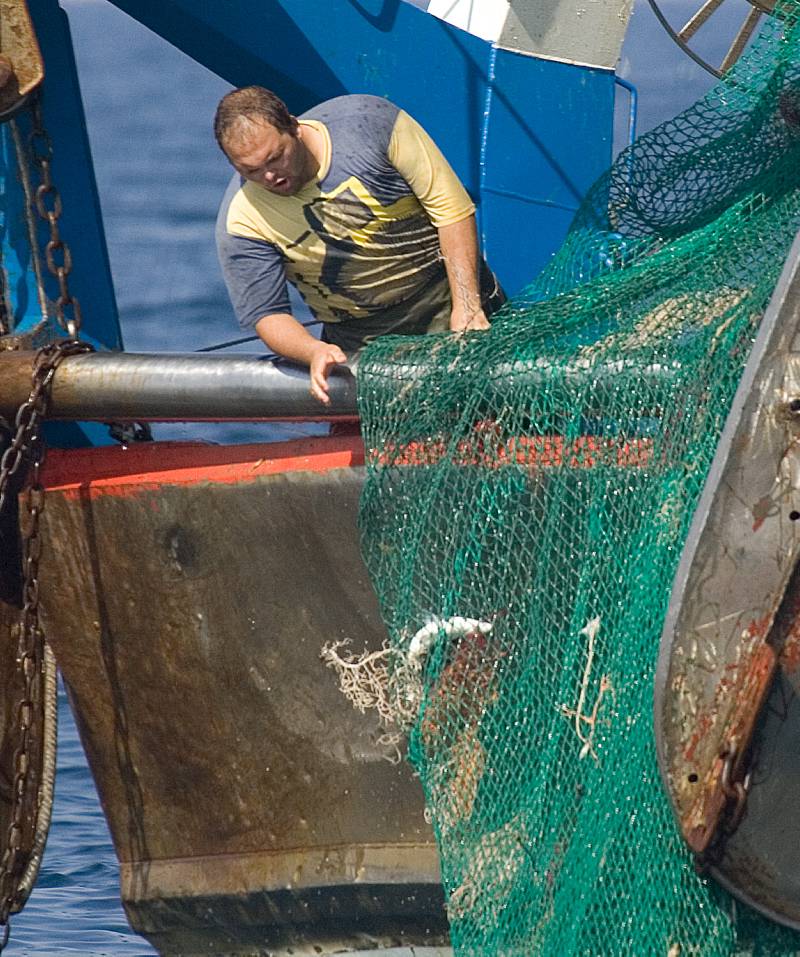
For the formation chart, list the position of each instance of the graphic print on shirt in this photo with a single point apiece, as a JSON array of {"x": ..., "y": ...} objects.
[{"x": 374, "y": 255}]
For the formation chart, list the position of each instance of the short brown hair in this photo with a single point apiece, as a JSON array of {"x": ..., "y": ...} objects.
[{"x": 251, "y": 104}]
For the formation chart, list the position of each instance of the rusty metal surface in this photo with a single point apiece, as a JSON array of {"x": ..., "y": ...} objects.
[
  {"x": 763, "y": 855},
  {"x": 228, "y": 763},
  {"x": 719, "y": 653},
  {"x": 22, "y": 66},
  {"x": 125, "y": 386}
]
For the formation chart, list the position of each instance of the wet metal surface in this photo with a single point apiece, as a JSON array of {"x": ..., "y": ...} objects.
[
  {"x": 247, "y": 799},
  {"x": 126, "y": 386},
  {"x": 720, "y": 649}
]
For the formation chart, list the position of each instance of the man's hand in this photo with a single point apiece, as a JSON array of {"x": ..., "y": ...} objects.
[
  {"x": 463, "y": 320},
  {"x": 325, "y": 357},
  {"x": 283, "y": 334}
]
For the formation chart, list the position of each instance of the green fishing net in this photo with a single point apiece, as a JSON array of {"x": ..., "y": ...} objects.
[{"x": 528, "y": 495}]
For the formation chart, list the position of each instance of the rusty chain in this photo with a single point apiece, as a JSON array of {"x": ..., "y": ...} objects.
[
  {"x": 27, "y": 449},
  {"x": 25, "y": 454},
  {"x": 48, "y": 205},
  {"x": 735, "y": 786}
]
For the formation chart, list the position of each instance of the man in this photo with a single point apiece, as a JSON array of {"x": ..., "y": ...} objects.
[{"x": 354, "y": 204}]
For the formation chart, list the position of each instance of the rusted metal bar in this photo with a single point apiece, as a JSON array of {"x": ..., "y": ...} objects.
[
  {"x": 126, "y": 387},
  {"x": 692, "y": 26},
  {"x": 740, "y": 41}
]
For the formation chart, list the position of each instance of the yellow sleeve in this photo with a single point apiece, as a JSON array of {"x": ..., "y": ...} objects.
[{"x": 420, "y": 162}]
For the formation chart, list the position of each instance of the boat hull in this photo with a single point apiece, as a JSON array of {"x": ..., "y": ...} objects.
[{"x": 187, "y": 591}]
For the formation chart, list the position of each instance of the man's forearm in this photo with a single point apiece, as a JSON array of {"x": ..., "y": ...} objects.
[
  {"x": 283, "y": 334},
  {"x": 459, "y": 245}
]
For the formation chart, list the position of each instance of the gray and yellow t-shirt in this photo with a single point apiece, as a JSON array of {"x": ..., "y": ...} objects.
[{"x": 359, "y": 242}]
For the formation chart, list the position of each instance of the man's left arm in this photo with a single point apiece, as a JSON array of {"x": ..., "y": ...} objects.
[
  {"x": 448, "y": 205},
  {"x": 459, "y": 245}
]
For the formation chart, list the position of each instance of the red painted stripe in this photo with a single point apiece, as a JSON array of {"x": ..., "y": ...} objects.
[
  {"x": 124, "y": 470},
  {"x": 153, "y": 464}
]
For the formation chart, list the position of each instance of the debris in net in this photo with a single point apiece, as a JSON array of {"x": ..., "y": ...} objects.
[
  {"x": 425, "y": 638},
  {"x": 674, "y": 313},
  {"x": 454, "y": 787},
  {"x": 466, "y": 686},
  {"x": 389, "y": 681},
  {"x": 590, "y": 629},
  {"x": 363, "y": 679},
  {"x": 489, "y": 874}
]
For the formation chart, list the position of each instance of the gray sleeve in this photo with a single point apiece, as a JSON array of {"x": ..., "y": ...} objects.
[
  {"x": 254, "y": 273},
  {"x": 255, "y": 276}
]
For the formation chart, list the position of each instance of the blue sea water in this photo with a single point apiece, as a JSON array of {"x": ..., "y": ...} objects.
[{"x": 160, "y": 175}]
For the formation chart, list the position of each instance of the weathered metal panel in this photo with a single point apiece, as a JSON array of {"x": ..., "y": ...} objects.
[
  {"x": 720, "y": 645},
  {"x": 243, "y": 791},
  {"x": 589, "y": 32},
  {"x": 762, "y": 857},
  {"x": 540, "y": 118}
]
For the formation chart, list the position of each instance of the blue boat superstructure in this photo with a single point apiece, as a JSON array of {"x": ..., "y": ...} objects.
[{"x": 527, "y": 132}]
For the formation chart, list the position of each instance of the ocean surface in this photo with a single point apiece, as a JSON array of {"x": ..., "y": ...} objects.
[{"x": 160, "y": 175}]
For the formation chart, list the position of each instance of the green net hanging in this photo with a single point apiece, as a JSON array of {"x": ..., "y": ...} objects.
[{"x": 528, "y": 495}]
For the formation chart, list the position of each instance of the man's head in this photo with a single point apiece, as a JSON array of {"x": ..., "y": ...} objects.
[{"x": 262, "y": 140}]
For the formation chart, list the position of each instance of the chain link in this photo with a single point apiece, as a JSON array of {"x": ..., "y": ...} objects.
[
  {"x": 25, "y": 453},
  {"x": 27, "y": 448},
  {"x": 49, "y": 207},
  {"x": 736, "y": 789},
  {"x": 30, "y": 413}
]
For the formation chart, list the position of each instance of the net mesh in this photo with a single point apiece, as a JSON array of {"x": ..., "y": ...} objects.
[{"x": 529, "y": 491}]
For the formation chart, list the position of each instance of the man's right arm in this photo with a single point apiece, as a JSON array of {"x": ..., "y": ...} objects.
[
  {"x": 283, "y": 334},
  {"x": 255, "y": 275}
]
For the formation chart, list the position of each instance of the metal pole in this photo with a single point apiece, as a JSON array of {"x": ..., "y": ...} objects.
[{"x": 175, "y": 387}]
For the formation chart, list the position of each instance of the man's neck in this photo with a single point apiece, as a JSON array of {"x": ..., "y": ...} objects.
[{"x": 314, "y": 143}]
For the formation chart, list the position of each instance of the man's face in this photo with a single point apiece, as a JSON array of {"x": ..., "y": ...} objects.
[{"x": 277, "y": 161}]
